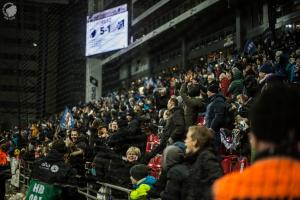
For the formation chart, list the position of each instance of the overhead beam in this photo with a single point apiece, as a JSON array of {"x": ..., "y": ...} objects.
[
  {"x": 168, "y": 25},
  {"x": 149, "y": 11}
]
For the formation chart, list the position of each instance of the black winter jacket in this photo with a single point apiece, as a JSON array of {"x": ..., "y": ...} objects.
[
  {"x": 176, "y": 187},
  {"x": 193, "y": 105},
  {"x": 52, "y": 169},
  {"x": 174, "y": 129},
  {"x": 112, "y": 169},
  {"x": 204, "y": 170},
  {"x": 215, "y": 112}
]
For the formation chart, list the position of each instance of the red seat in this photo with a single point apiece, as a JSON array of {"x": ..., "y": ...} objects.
[
  {"x": 234, "y": 163},
  {"x": 155, "y": 166}
]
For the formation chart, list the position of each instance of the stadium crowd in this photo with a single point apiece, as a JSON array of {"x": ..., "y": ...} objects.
[{"x": 201, "y": 116}]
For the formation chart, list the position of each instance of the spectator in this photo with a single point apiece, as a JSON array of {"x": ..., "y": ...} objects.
[
  {"x": 142, "y": 182},
  {"x": 77, "y": 146},
  {"x": 203, "y": 163},
  {"x": 52, "y": 169},
  {"x": 162, "y": 99},
  {"x": 251, "y": 86},
  {"x": 193, "y": 103},
  {"x": 264, "y": 72},
  {"x": 175, "y": 128},
  {"x": 113, "y": 168},
  {"x": 135, "y": 137},
  {"x": 49, "y": 171},
  {"x": 101, "y": 142},
  {"x": 293, "y": 70},
  {"x": 177, "y": 173},
  {"x": 236, "y": 86},
  {"x": 224, "y": 84},
  {"x": 173, "y": 131},
  {"x": 275, "y": 138},
  {"x": 215, "y": 111}
]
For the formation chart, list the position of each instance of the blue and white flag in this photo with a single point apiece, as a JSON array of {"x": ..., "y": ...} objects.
[
  {"x": 250, "y": 47},
  {"x": 67, "y": 120}
]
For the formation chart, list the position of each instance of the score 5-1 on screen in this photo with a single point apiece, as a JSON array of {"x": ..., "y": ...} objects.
[{"x": 112, "y": 27}]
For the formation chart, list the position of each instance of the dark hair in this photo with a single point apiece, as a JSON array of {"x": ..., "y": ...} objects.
[
  {"x": 194, "y": 90},
  {"x": 274, "y": 115},
  {"x": 59, "y": 146}
]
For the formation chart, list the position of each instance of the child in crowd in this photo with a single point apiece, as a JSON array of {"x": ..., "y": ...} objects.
[{"x": 142, "y": 182}]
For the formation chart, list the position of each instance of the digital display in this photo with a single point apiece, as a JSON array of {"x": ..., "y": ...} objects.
[{"x": 107, "y": 31}]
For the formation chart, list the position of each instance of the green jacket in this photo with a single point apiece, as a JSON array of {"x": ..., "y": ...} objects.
[{"x": 237, "y": 85}]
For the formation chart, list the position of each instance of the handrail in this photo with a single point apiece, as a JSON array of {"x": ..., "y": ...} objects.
[
  {"x": 115, "y": 187},
  {"x": 87, "y": 195},
  {"x": 25, "y": 174}
]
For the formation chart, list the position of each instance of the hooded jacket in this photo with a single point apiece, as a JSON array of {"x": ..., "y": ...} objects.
[
  {"x": 177, "y": 174},
  {"x": 236, "y": 86},
  {"x": 142, "y": 187}
]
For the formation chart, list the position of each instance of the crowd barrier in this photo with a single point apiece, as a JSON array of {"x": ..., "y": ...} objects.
[{"x": 90, "y": 191}]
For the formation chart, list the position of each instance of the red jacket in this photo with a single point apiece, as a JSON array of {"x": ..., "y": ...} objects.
[
  {"x": 224, "y": 85},
  {"x": 3, "y": 158}
]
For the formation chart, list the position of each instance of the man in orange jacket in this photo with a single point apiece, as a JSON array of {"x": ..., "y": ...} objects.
[{"x": 275, "y": 136}]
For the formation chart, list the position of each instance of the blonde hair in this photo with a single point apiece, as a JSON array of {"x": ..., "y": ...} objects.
[
  {"x": 222, "y": 75},
  {"x": 134, "y": 150},
  {"x": 211, "y": 77},
  {"x": 244, "y": 98},
  {"x": 202, "y": 135}
]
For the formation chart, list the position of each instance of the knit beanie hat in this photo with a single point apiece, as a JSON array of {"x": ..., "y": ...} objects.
[{"x": 139, "y": 172}]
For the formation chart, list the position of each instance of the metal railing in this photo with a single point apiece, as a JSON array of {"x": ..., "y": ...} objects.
[
  {"x": 89, "y": 192},
  {"x": 25, "y": 170}
]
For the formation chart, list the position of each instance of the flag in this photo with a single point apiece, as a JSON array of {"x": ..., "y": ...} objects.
[
  {"x": 67, "y": 120},
  {"x": 250, "y": 47}
]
